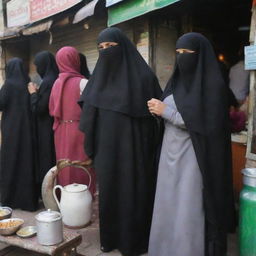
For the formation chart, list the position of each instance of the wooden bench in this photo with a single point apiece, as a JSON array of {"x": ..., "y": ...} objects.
[{"x": 67, "y": 248}]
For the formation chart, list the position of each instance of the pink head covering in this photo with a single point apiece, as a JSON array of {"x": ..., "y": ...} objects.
[{"x": 68, "y": 62}]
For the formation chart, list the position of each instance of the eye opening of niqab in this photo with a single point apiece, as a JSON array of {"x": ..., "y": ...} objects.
[{"x": 105, "y": 45}]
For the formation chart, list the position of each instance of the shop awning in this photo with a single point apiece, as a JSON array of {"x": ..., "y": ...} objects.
[
  {"x": 34, "y": 29},
  {"x": 86, "y": 11},
  {"x": 10, "y": 33},
  {"x": 129, "y": 9}
]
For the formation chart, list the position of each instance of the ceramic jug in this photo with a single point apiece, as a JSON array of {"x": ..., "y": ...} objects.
[{"x": 75, "y": 204}]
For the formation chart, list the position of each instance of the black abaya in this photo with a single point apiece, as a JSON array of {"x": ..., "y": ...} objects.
[
  {"x": 123, "y": 152},
  {"x": 43, "y": 122},
  {"x": 121, "y": 138},
  {"x": 17, "y": 180}
]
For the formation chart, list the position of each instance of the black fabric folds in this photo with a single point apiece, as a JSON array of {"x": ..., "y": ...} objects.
[
  {"x": 202, "y": 98},
  {"x": 47, "y": 68},
  {"x": 17, "y": 169},
  {"x": 42, "y": 126},
  {"x": 121, "y": 139},
  {"x": 121, "y": 80},
  {"x": 84, "y": 70},
  {"x": 198, "y": 85}
]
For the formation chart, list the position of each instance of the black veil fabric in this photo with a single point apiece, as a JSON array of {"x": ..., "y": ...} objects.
[
  {"x": 42, "y": 121},
  {"x": 17, "y": 169},
  {"x": 47, "y": 69},
  {"x": 197, "y": 90},
  {"x": 202, "y": 98},
  {"x": 16, "y": 74},
  {"x": 16, "y": 81},
  {"x": 121, "y": 81},
  {"x": 84, "y": 70}
]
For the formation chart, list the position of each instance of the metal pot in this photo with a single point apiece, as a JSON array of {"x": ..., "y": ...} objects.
[{"x": 49, "y": 227}]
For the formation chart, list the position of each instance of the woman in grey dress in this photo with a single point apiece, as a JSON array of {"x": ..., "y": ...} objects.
[{"x": 194, "y": 207}]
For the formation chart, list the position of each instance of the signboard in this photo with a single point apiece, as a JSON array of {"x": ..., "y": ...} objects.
[
  {"x": 112, "y": 2},
  {"x": 17, "y": 13},
  {"x": 250, "y": 57},
  {"x": 133, "y": 8},
  {"x": 40, "y": 9}
]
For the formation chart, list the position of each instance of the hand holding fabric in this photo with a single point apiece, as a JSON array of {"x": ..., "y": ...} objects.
[
  {"x": 156, "y": 106},
  {"x": 32, "y": 88}
]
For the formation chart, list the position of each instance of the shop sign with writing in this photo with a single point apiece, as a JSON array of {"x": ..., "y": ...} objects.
[
  {"x": 129, "y": 9},
  {"x": 17, "y": 13},
  {"x": 40, "y": 9}
]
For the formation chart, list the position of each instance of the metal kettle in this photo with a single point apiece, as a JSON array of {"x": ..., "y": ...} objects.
[{"x": 49, "y": 227}]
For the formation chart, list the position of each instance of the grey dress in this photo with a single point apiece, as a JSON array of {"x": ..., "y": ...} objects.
[{"x": 178, "y": 219}]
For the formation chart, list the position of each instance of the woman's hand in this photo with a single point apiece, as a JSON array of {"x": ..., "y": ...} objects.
[
  {"x": 156, "y": 106},
  {"x": 32, "y": 88}
]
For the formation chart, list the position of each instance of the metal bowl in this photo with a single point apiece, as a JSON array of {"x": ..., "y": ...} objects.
[
  {"x": 27, "y": 231},
  {"x": 5, "y": 212},
  {"x": 6, "y": 228}
]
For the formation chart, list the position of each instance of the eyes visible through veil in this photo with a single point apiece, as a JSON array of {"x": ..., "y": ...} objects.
[
  {"x": 105, "y": 45},
  {"x": 181, "y": 51}
]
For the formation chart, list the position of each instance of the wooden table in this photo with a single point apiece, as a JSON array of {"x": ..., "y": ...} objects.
[{"x": 67, "y": 248}]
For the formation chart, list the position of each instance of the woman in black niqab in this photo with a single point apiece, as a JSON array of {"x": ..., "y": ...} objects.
[
  {"x": 42, "y": 126},
  {"x": 121, "y": 138},
  {"x": 121, "y": 81},
  {"x": 17, "y": 171},
  {"x": 202, "y": 101}
]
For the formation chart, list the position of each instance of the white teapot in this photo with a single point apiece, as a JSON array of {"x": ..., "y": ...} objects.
[{"x": 75, "y": 204}]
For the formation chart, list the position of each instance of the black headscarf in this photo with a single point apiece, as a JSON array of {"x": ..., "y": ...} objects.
[
  {"x": 197, "y": 85},
  {"x": 84, "y": 70},
  {"x": 122, "y": 81},
  {"x": 15, "y": 73},
  {"x": 47, "y": 69}
]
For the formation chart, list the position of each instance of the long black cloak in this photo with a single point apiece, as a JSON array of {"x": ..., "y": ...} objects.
[
  {"x": 43, "y": 122},
  {"x": 121, "y": 137},
  {"x": 202, "y": 98},
  {"x": 17, "y": 179}
]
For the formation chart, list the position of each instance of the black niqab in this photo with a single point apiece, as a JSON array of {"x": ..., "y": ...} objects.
[
  {"x": 197, "y": 84},
  {"x": 202, "y": 98},
  {"x": 47, "y": 68},
  {"x": 84, "y": 70},
  {"x": 15, "y": 73},
  {"x": 122, "y": 81}
]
